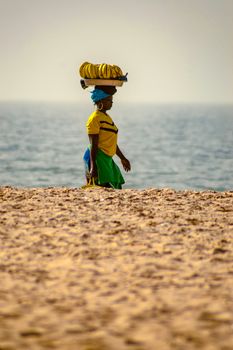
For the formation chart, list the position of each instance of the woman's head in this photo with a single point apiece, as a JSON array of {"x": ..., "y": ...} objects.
[
  {"x": 105, "y": 104},
  {"x": 102, "y": 97}
]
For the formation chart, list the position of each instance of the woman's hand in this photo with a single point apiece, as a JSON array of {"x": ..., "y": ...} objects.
[
  {"x": 126, "y": 164},
  {"x": 93, "y": 173}
]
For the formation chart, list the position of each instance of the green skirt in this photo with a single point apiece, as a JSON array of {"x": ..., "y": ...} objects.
[{"x": 108, "y": 171}]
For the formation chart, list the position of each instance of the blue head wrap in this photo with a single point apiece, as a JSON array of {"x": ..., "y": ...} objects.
[{"x": 97, "y": 95}]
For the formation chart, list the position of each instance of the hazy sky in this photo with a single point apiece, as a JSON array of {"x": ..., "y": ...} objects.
[{"x": 173, "y": 50}]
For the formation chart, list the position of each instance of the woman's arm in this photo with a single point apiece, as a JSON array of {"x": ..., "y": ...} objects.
[
  {"x": 94, "y": 140},
  {"x": 125, "y": 162}
]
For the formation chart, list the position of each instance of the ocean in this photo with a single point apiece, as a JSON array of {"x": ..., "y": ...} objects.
[{"x": 170, "y": 146}]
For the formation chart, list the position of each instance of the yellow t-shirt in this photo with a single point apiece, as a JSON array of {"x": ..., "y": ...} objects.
[{"x": 103, "y": 125}]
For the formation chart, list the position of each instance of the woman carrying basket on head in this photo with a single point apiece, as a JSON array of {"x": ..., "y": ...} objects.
[{"x": 102, "y": 132}]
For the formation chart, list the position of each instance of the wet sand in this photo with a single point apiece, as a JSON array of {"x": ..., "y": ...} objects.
[{"x": 115, "y": 270}]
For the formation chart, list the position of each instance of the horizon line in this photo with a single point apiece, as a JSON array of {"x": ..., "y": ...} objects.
[{"x": 44, "y": 101}]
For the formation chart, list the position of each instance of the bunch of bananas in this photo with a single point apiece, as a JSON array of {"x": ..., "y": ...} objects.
[{"x": 100, "y": 71}]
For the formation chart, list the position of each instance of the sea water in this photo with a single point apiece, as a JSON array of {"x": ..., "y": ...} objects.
[{"x": 175, "y": 146}]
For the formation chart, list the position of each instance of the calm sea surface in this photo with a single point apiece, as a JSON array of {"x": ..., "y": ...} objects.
[{"x": 181, "y": 147}]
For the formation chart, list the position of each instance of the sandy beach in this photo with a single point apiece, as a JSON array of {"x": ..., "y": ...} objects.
[{"x": 103, "y": 269}]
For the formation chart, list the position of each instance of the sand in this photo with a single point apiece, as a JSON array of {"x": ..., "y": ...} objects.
[{"x": 103, "y": 269}]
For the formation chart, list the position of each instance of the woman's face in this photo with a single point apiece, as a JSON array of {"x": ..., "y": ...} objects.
[{"x": 107, "y": 103}]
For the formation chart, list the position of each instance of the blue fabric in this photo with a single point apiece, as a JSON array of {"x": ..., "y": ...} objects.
[
  {"x": 87, "y": 159},
  {"x": 97, "y": 95}
]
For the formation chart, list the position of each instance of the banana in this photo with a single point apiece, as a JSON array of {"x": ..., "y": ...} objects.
[
  {"x": 86, "y": 71},
  {"x": 113, "y": 72},
  {"x": 101, "y": 71},
  {"x": 105, "y": 68},
  {"x": 92, "y": 71},
  {"x": 82, "y": 69},
  {"x": 97, "y": 70},
  {"x": 118, "y": 71},
  {"x": 108, "y": 71}
]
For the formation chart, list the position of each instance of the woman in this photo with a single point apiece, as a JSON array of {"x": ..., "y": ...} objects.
[{"x": 102, "y": 134}]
